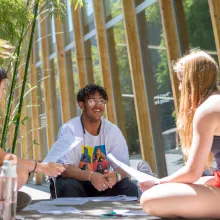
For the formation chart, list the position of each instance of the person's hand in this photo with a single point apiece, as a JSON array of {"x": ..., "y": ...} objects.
[
  {"x": 111, "y": 177},
  {"x": 99, "y": 181},
  {"x": 50, "y": 169},
  {"x": 146, "y": 185}
]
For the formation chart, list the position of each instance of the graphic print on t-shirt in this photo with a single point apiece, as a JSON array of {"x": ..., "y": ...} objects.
[{"x": 94, "y": 159}]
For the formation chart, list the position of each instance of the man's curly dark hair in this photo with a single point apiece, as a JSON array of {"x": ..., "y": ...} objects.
[{"x": 90, "y": 89}]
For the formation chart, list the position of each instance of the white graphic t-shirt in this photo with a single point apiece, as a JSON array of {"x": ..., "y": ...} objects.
[{"x": 90, "y": 153}]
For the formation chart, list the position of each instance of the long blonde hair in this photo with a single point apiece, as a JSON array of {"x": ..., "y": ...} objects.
[{"x": 198, "y": 72}]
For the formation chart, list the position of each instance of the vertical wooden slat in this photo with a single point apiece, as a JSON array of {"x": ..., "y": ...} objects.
[
  {"x": 182, "y": 27},
  {"x": 87, "y": 46},
  {"x": 35, "y": 117},
  {"x": 140, "y": 99},
  {"x": 173, "y": 53},
  {"x": 103, "y": 57},
  {"x": 63, "y": 79},
  {"x": 78, "y": 35},
  {"x": 28, "y": 126},
  {"x": 49, "y": 93},
  {"x": 23, "y": 136},
  {"x": 69, "y": 72},
  {"x": 89, "y": 62},
  {"x": 214, "y": 7},
  {"x": 151, "y": 91},
  {"x": 70, "y": 83}
]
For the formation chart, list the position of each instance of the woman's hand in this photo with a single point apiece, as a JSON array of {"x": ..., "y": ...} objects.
[
  {"x": 50, "y": 169},
  {"x": 147, "y": 185}
]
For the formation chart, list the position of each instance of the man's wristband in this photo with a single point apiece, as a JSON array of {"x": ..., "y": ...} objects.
[
  {"x": 118, "y": 177},
  {"x": 90, "y": 176}
]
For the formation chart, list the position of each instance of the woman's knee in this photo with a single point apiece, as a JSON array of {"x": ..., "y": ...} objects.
[
  {"x": 155, "y": 200},
  {"x": 149, "y": 202}
]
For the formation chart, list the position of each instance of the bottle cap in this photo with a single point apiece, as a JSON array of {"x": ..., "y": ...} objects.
[{"x": 9, "y": 169}]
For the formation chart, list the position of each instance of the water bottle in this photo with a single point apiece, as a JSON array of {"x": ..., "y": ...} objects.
[{"x": 8, "y": 190}]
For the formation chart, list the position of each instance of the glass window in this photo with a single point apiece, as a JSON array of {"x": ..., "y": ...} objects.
[
  {"x": 67, "y": 24},
  {"x": 51, "y": 38},
  {"x": 119, "y": 44},
  {"x": 75, "y": 78},
  {"x": 37, "y": 42},
  {"x": 75, "y": 71},
  {"x": 138, "y": 2},
  {"x": 112, "y": 9},
  {"x": 88, "y": 17},
  {"x": 42, "y": 113},
  {"x": 93, "y": 70},
  {"x": 155, "y": 56}
]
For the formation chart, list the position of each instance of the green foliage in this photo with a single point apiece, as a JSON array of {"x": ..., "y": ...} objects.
[
  {"x": 16, "y": 17},
  {"x": 23, "y": 120},
  {"x": 200, "y": 34},
  {"x": 14, "y": 119},
  {"x": 199, "y": 24},
  {"x": 13, "y": 15},
  {"x": 35, "y": 142}
]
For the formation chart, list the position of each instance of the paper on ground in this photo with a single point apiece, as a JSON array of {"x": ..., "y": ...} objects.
[
  {"x": 62, "y": 146},
  {"x": 59, "y": 201},
  {"x": 72, "y": 201},
  {"x": 128, "y": 212},
  {"x": 139, "y": 176},
  {"x": 113, "y": 198},
  {"x": 58, "y": 210}
]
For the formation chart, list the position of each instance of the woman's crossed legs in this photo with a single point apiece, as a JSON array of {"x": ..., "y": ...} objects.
[{"x": 182, "y": 200}]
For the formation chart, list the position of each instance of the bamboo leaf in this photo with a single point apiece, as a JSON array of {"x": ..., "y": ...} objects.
[
  {"x": 35, "y": 142},
  {"x": 15, "y": 118},
  {"x": 23, "y": 120}
]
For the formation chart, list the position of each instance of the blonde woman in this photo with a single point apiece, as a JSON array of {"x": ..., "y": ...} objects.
[
  {"x": 185, "y": 193},
  {"x": 25, "y": 167}
]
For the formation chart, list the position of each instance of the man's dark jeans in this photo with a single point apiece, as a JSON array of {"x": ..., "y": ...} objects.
[{"x": 69, "y": 187}]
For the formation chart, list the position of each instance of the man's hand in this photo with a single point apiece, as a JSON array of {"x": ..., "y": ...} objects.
[
  {"x": 99, "y": 181},
  {"x": 111, "y": 177},
  {"x": 50, "y": 169}
]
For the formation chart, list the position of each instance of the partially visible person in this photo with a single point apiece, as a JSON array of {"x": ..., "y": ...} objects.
[
  {"x": 24, "y": 167},
  {"x": 186, "y": 193},
  {"x": 99, "y": 137}
]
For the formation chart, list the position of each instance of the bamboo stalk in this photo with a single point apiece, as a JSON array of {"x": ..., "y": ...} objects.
[{"x": 25, "y": 76}]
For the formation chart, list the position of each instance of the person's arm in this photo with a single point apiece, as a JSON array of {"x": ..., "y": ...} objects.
[
  {"x": 49, "y": 169},
  {"x": 97, "y": 179},
  {"x": 2, "y": 156},
  {"x": 119, "y": 149},
  {"x": 24, "y": 167},
  {"x": 204, "y": 127}
]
